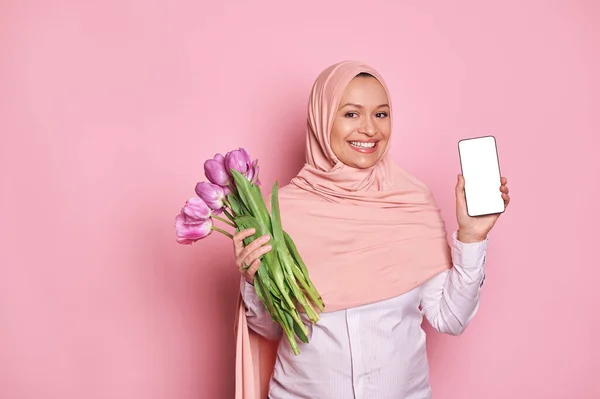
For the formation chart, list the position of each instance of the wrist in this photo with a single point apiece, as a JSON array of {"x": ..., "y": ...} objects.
[{"x": 469, "y": 238}]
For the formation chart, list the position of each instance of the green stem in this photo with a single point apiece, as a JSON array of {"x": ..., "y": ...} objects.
[
  {"x": 222, "y": 231},
  {"x": 223, "y": 220},
  {"x": 229, "y": 215}
]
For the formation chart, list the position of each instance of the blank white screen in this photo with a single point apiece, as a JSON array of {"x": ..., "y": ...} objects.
[{"x": 479, "y": 163}]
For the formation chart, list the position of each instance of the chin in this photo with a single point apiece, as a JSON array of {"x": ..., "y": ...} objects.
[
  {"x": 365, "y": 165},
  {"x": 362, "y": 162}
]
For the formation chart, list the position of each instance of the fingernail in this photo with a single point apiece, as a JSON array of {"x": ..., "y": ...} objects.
[{"x": 266, "y": 238}]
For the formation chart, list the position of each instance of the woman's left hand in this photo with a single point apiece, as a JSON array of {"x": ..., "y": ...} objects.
[{"x": 475, "y": 229}]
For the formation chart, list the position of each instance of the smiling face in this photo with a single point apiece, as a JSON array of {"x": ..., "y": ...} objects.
[{"x": 362, "y": 125}]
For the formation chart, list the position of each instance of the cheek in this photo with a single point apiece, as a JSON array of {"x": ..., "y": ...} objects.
[
  {"x": 335, "y": 136},
  {"x": 339, "y": 132},
  {"x": 386, "y": 129}
]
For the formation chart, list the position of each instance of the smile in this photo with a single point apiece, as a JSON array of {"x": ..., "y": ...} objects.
[
  {"x": 360, "y": 144},
  {"x": 365, "y": 147}
]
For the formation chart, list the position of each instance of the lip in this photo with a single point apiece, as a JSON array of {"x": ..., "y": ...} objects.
[{"x": 364, "y": 150}]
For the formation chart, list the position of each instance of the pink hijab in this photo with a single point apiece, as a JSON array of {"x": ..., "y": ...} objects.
[{"x": 366, "y": 235}]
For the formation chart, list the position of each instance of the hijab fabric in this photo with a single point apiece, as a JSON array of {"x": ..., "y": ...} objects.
[{"x": 366, "y": 235}]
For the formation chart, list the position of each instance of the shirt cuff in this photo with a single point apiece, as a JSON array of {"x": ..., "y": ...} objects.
[{"x": 469, "y": 255}]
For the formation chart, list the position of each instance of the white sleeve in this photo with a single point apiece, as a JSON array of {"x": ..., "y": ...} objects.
[
  {"x": 258, "y": 318},
  {"x": 451, "y": 299}
]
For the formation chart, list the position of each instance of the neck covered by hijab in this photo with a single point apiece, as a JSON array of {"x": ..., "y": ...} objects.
[{"x": 365, "y": 235}]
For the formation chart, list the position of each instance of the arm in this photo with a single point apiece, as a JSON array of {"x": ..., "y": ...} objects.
[
  {"x": 259, "y": 319},
  {"x": 451, "y": 299}
]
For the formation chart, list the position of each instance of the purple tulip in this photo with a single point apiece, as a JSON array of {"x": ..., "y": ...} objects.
[
  {"x": 212, "y": 194},
  {"x": 190, "y": 230},
  {"x": 252, "y": 174},
  {"x": 216, "y": 172},
  {"x": 238, "y": 160},
  {"x": 196, "y": 208}
]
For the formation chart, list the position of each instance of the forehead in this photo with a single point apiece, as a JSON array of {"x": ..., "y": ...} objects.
[{"x": 364, "y": 90}]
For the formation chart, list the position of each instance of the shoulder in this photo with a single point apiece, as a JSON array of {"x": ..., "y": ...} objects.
[{"x": 402, "y": 178}]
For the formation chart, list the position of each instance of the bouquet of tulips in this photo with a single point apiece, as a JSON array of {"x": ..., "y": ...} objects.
[{"x": 233, "y": 192}]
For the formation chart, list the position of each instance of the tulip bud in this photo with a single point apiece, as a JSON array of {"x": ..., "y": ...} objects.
[
  {"x": 212, "y": 194},
  {"x": 190, "y": 230},
  {"x": 216, "y": 172},
  {"x": 238, "y": 160},
  {"x": 252, "y": 174},
  {"x": 196, "y": 208}
]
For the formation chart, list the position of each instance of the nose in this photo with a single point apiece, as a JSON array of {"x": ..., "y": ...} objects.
[{"x": 368, "y": 127}]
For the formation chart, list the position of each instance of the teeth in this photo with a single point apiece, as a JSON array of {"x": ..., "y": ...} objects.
[{"x": 362, "y": 145}]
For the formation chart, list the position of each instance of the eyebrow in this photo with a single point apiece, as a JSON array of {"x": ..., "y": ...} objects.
[{"x": 360, "y": 106}]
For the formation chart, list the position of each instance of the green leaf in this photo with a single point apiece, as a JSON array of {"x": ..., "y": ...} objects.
[
  {"x": 311, "y": 291},
  {"x": 286, "y": 263},
  {"x": 251, "y": 198},
  {"x": 301, "y": 273},
  {"x": 260, "y": 203},
  {"x": 287, "y": 326},
  {"x": 300, "y": 332},
  {"x": 274, "y": 289},
  {"x": 246, "y": 222},
  {"x": 236, "y": 207},
  {"x": 265, "y": 297},
  {"x": 270, "y": 257},
  {"x": 285, "y": 259},
  {"x": 275, "y": 215},
  {"x": 282, "y": 279}
]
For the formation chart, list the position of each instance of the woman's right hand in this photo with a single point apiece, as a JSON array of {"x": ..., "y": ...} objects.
[{"x": 247, "y": 258}]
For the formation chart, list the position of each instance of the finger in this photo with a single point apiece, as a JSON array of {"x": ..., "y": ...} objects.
[
  {"x": 256, "y": 254},
  {"x": 506, "y": 199},
  {"x": 253, "y": 246},
  {"x": 238, "y": 238},
  {"x": 251, "y": 272},
  {"x": 253, "y": 269},
  {"x": 503, "y": 181},
  {"x": 504, "y": 189}
]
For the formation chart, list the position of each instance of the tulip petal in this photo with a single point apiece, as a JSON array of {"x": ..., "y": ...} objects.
[
  {"x": 215, "y": 172},
  {"x": 196, "y": 208},
  {"x": 189, "y": 230},
  {"x": 212, "y": 194},
  {"x": 238, "y": 160}
]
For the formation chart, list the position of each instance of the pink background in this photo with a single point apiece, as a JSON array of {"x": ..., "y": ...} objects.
[{"x": 109, "y": 108}]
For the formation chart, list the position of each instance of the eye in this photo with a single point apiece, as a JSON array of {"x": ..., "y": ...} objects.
[
  {"x": 381, "y": 114},
  {"x": 351, "y": 114}
]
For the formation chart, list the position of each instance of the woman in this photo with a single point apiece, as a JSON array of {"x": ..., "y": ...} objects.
[{"x": 376, "y": 249}]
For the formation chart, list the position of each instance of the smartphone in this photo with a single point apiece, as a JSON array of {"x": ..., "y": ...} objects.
[{"x": 481, "y": 169}]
